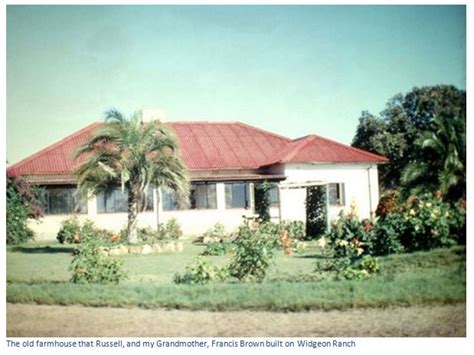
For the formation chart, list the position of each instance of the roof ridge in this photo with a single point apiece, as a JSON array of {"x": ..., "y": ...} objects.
[
  {"x": 345, "y": 146},
  {"x": 304, "y": 141},
  {"x": 263, "y": 131},
  {"x": 53, "y": 145}
]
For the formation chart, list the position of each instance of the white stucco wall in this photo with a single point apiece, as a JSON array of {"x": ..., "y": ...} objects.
[
  {"x": 356, "y": 179},
  {"x": 193, "y": 222}
]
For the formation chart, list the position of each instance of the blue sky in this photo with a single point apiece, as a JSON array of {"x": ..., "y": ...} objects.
[{"x": 293, "y": 70}]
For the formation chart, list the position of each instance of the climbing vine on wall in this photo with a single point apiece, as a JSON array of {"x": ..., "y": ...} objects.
[
  {"x": 316, "y": 211},
  {"x": 262, "y": 200}
]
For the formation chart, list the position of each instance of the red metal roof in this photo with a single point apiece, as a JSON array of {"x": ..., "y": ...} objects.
[
  {"x": 208, "y": 145},
  {"x": 315, "y": 149}
]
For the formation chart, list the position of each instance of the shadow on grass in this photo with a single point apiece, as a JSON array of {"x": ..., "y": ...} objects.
[
  {"x": 311, "y": 256},
  {"x": 42, "y": 250}
]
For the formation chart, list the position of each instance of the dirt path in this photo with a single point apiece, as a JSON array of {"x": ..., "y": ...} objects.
[{"x": 58, "y": 321}]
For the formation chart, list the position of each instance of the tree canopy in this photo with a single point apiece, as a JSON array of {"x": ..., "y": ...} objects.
[{"x": 415, "y": 131}]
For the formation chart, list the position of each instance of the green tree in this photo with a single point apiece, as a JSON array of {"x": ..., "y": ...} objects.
[
  {"x": 393, "y": 133},
  {"x": 134, "y": 155},
  {"x": 441, "y": 163},
  {"x": 22, "y": 203}
]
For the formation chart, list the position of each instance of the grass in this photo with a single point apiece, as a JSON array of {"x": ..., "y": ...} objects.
[{"x": 38, "y": 274}]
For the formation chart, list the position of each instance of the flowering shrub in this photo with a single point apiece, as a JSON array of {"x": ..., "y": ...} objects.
[
  {"x": 201, "y": 272},
  {"x": 69, "y": 231},
  {"x": 255, "y": 246},
  {"x": 388, "y": 203},
  {"x": 22, "y": 203},
  {"x": 348, "y": 231},
  {"x": 428, "y": 221},
  {"x": 89, "y": 266},
  {"x": 296, "y": 229},
  {"x": 72, "y": 231},
  {"x": 349, "y": 265}
]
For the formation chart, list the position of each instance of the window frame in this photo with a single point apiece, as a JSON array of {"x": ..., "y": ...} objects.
[
  {"x": 73, "y": 198},
  {"x": 169, "y": 196},
  {"x": 247, "y": 197},
  {"x": 340, "y": 194},
  {"x": 149, "y": 203}
]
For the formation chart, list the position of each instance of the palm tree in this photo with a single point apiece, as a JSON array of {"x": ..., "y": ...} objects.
[
  {"x": 134, "y": 155},
  {"x": 443, "y": 163}
]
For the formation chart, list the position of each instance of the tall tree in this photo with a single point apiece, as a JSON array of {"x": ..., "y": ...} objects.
[
  {"x": 393, "y": 133},
  {"x": 133, "y": 155},
  {"x": 441, "y": 163}
]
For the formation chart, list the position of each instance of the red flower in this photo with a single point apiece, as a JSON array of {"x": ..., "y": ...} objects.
[
  {"x": 438, "y": 194},
  {"x": 368, "y": 227}
]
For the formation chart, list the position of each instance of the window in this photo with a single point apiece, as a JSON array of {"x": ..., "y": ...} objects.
[
  {"x": 274, "y": 197},
  {"x": 63, "y": 200},
  {"x": 336, "y": 194},
  {"x": 117, "y": 201},
  {"x": 237, "y": 195},
  {"x": 202, "y": 196}
]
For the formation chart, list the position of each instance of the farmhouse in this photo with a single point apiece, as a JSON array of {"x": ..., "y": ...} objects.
[{"x": 226, "y": 160}]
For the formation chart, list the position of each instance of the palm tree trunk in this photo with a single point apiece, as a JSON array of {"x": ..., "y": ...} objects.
[{"x": 133, "y": 201}]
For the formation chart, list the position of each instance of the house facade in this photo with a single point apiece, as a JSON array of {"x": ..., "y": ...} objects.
[{"x": 225, "y": 160}]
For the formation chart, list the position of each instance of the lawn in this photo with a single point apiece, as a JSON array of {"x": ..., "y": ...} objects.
[{"x": 37, "y": 273}]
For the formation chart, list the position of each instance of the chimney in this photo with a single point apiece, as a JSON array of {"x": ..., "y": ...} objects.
[{"x": 151, "y": 114}]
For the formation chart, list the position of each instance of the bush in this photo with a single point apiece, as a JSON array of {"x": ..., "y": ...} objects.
[
  {"x": 172, "y": 229},
  {"x": 89, "y": 266},
  {"x": 200, "y": 273},
  {"x": 22, "y": 203},
  {"x": 296, "y": 229},
  {"x": 361, "y": 270},
  {"x": 389, "y": 203},
  {"x": 350, "y": 229},
  {"x": 215, "y": 234},
  {"x": 254, "y": 252},
  {"x": 386, "y": 234},
  {"x": 70, "y": 231},
  {"x": 350, "y": 266},
  {"x": 217, "y": 249},
  {"x": 427, "y": 224}
]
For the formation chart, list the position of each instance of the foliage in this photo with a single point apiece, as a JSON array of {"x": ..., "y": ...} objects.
[
  {"x": 386, "y": 234},
  {"x": 420, "y": 223},
  {"x": 262, "y": 200},
  {"x": 441, "y": 162},
  {"x": 296, "y": 229},
  {"x": 134, "y": 155},
  {"x": 216, "y": 232},
  {"x": 388, "y": 203},
  {"x": 406, "y": 117},
  {"x": 343, "y": 260},
  {"x": 89, "y": 266},
  {"x": 427, "y": 224},
  {"x": 22, "y": 203},
  {"x": 172, "y": 229},
  {"x": 69, "y": 231},
  {"x": 316, "y": 211},
  {"x": 72, "y": 231},
  {"x": 348, "y": 230},
  {"x": 216, "y": 249},
  {"x": 201, "y": 272},
  {"x": 254, "y": 252}
]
